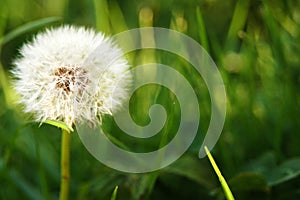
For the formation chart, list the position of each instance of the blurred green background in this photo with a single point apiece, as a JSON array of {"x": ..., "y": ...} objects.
[{"x": 256, "y": 46}]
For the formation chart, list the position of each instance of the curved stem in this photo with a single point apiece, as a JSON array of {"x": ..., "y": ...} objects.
[{"x": 65, "y": 165}]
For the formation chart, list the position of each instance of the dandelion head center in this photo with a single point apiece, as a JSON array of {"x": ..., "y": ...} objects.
[{"x": 70, "y": 79}]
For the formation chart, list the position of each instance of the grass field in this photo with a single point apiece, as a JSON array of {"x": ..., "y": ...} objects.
[{"x": 254, "y": 43}]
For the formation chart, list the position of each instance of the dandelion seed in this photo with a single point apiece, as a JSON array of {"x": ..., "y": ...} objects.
[{"x": 58, "y": 79}]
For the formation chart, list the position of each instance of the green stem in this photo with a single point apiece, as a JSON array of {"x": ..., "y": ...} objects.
[{"x": 65, "y": 165}]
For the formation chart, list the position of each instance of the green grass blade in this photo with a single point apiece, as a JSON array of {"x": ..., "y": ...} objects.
[
  {"x": 116, "y": 16},
  {"x": 9, "y": 96},
  {"x": 28, "y": 27},
  {"x": 237, "y": 23},
  {"x": 223, "y": 182},
  {"x": 102, "y": 16},
  {"x": 202, "y": 30},
  {"x": 59, "y": 124},
  {"x": 30, "y": 191},
  {"x": 275, "y": 34},
  {"x": 114, "y": 194}
]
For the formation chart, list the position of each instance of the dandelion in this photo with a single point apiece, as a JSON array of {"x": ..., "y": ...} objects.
[{"x": 72, "y": 75}]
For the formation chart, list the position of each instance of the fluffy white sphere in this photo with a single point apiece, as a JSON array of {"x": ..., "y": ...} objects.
[{"x": 71, "y": 74}]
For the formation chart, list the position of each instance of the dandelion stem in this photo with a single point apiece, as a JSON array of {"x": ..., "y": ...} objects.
[{"x": 65, "y": 165}]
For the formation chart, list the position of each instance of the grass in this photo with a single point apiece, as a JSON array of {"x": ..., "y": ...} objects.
[
  {"x": 222, "y": 180},
  {"x": 256, "y": 45}
]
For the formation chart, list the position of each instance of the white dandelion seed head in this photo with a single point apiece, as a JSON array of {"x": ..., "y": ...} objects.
[{"x": 60, "y": 77}]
